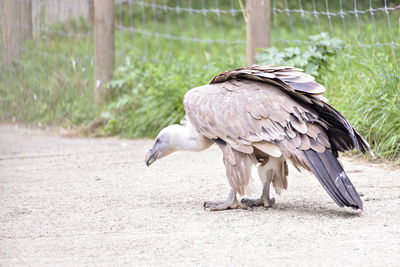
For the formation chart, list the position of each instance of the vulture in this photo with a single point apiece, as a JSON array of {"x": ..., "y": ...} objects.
[{"x": 265, "y": 116}]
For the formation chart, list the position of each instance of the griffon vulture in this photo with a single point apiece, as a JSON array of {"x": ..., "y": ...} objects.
[{"x": 266, "y": 115}]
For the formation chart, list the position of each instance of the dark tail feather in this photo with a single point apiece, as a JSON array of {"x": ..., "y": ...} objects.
[
  {"x": 364, "y": 146},
  {"x": 333, "y": 178}
]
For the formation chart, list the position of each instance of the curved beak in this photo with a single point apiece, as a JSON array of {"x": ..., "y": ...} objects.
[{"x": 150, "y": 157}]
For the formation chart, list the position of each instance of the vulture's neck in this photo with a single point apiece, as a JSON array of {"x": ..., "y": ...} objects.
[{"x": 188, "y": 139}]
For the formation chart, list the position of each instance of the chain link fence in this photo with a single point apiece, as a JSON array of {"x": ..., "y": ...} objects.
[
  {"x": 359, "y": 23},
  {"x": 59, "y": 34}
]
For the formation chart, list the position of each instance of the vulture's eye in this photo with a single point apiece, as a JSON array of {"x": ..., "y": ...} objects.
[{"x": 157, "y": 141}]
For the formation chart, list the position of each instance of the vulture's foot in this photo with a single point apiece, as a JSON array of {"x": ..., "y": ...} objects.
[
  {"x": 214, "y": 206},
  {"x": 267, "y": 203},
  {"x": 264, "y": 200},
  {"x": 230, "y": 203}
]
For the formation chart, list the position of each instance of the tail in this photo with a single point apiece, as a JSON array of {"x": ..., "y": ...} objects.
[{"x": 333, "y": 178}]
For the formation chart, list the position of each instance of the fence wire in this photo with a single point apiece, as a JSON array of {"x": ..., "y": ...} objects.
[
  {"x": 364, "y": 24},
  {"x": 160, "y": 30},
  {"x": 166, "y": 28}
]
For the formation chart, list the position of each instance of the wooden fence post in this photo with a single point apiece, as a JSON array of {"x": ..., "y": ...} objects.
[
  {"x": 103, "y": 46},
  {"x": 91, "y": 11},
  {"x": 12, "y": 30},
  {"x": 258, "y": 27},
  {"x": 26, "y": 19},
  {"x": 16, "y": 23}
]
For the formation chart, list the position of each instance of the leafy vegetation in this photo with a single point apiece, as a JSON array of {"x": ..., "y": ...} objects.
[
  {"x": 30, "y": 93},
  {"x": 312, "y": 58},
  {"x": 149, "y": 96}
]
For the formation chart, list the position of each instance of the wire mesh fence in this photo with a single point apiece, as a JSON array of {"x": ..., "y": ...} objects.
[
  {"x": 161, "y": 48},
  {"x": 165, "y": 29},
  {"x": 161, "y": 29},
  {"x": 362, "y": 24},
  {"x": 193, "y": 27},
  {"x": 58, "y": 35}
]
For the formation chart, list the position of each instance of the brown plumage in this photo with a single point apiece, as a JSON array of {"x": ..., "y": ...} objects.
[{"x": 262, "y": 112}]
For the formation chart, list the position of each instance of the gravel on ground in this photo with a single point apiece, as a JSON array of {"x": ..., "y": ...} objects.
[{"x": 92, "y": 201}]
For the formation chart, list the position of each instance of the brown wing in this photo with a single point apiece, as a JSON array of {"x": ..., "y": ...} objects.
[
  {"x": 288, "y": 78},
  {"x": 247, "y": 114},
  {"x": 306, "y": 92}
]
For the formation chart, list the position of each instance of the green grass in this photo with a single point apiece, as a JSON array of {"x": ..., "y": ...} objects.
[
  {"x": 147, "y": 97},
  {"x": 366, "y": 88},
  {"x": 53, "y": 83},
  {"x": 31, "y": 93}
]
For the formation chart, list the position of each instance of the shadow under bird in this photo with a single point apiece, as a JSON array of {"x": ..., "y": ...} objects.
[{"x": 266, "y": 116}]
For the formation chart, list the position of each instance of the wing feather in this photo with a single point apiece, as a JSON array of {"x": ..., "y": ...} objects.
[
  {"x": 288, "y": 78},
  {"x": 305, "y": 142},
  {"x": 268, "y": 148},
  {"x": 316, "y": 146},
  {"x": 245, "y": 113},
  {"x": 238, "y": 168}
]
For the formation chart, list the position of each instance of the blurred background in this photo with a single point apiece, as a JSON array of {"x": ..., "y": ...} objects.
[{"x": 122, "y": 67}]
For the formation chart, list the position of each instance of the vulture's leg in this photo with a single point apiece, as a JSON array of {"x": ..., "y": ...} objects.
[
  {"x": 230, "y": 203},
  {"x": 265, "y": 199},
  {"x": 238, "y": 170},
  {"x": 274, "y": 170}
]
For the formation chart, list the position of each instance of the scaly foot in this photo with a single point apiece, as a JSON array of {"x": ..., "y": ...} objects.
[
  {"x": 214, "y": 206},
  {"x": 267, "y": 203},
  {"x": 230, "y": 203}
]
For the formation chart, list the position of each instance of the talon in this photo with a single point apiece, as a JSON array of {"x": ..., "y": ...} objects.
[
  {"x": 243, "y": 205},
  {"x": 230, "y": 203},
  {"x": 216, "y": 206},
  {"x": 252, "y": 202},
  {"x": 247, "y": 202},
  {"x": 269, "y": 203}
]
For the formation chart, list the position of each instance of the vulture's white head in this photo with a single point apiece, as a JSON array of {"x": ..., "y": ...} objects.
[
  {"x": 165, "y": 144},
  {"x": 176, "y": 137}
]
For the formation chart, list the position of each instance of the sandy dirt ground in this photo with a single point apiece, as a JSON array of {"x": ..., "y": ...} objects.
[{"x": 80, "y": 201}]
